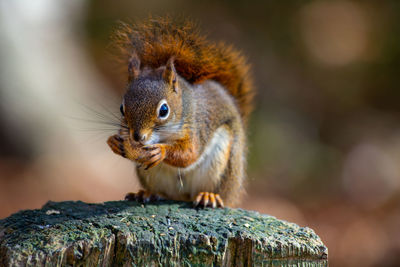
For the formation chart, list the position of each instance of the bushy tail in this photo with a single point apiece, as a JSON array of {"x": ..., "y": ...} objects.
[{"x": 195, "y": 58}]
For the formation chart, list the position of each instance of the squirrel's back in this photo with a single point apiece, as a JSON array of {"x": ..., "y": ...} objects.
[{"x": 156, "y": 40}]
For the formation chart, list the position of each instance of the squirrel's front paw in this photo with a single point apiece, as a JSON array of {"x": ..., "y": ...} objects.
[
  {"x": 116, "y": 143},
  {"x": 152, "y": 155}
]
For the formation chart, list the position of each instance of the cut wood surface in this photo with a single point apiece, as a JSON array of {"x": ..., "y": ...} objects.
[{"x": 165, "y": 233}]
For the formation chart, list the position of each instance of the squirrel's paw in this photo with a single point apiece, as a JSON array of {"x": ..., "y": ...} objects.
[
  {"x": 206, "y": 199},
  {"x": 152, "y": 155},
  {"x": 143, "y": 196},
  {"x": 116, "y": 143}
]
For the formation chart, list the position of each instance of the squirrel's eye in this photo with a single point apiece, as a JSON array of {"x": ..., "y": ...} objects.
[
  {"x": 164, "y": 111},
  {"x": 121, "y": 108}
]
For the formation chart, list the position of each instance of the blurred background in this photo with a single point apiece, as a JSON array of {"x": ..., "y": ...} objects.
[{"x": 324, "y": 136}]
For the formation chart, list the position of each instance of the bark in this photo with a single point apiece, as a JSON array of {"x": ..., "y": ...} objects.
[{"x": 157, "y": 234}]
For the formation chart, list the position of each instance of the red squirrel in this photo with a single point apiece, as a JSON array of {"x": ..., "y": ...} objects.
[{"x": 184, "y": 113}]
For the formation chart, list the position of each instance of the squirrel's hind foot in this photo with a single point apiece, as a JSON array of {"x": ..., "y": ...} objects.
[
  {"x": 206, "y": 199},
  {"x": 143, "y": 196}
]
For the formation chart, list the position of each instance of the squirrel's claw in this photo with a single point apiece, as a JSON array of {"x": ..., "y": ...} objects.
[
  {"x": 206, "y": 199},
  {"x": 153, "y": 155},
  {"x": 116, "y": 143},
  {"x": 152, "y": 165},
  {"x": 150, "y": 147},
  {"x": 143, "y": 196},
  {"x": 149, "y": 154}
]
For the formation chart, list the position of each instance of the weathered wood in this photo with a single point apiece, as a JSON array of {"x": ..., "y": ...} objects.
[{"x": 165, "y": 233}]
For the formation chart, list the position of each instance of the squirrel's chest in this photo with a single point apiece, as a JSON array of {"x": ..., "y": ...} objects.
[{"x": 203, "y": 175}]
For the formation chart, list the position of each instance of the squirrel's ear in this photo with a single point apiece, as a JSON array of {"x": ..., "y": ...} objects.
[
  {"x": 170, "y": 75},
  {"x": 133, "y": 67}
]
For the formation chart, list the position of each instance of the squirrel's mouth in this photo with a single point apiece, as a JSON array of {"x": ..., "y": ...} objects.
[{"x": 152, "y": 139}]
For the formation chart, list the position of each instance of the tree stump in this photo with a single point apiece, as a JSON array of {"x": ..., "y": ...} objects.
[{"x": 165, "y": 233}]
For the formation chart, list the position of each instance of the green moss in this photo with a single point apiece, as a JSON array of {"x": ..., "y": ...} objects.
[{"x": 163, "y": 233}]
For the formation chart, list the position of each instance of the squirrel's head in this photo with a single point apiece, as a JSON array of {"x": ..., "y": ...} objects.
[{"x": 152, "y": 105}]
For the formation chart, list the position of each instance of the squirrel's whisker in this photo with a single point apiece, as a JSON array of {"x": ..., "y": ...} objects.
[
  {"x": 113, "y": 115},
  {"x": 106, "y": 117}
]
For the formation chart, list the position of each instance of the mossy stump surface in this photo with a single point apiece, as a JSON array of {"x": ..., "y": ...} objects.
[{"x": 157, "y": 234}]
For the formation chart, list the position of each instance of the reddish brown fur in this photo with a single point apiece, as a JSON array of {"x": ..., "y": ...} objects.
[
  {"x": 195, "y": 59},
  {"x": 182, "y": 153}
]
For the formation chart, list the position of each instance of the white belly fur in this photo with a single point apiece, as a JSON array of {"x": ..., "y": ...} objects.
[{"x": 202, "y": 175}]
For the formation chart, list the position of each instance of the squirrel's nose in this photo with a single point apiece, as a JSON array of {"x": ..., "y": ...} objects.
[{"x": 139, "y": 137}]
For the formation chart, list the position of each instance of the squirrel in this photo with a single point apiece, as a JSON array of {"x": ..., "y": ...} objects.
[{"x": 184, "y": 113}]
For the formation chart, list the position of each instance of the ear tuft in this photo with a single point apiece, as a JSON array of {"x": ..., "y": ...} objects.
[
  {"x": 169, "y": 74},
  {"x": 133, "y": 67}
]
